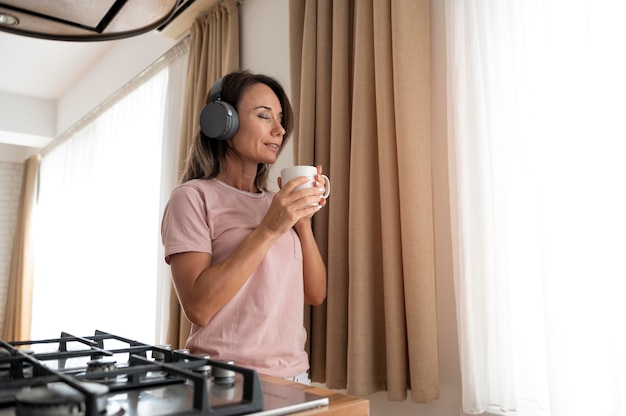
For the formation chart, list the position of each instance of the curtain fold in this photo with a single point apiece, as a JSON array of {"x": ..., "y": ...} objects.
[
  {"x": 363, "y": 112},
  {"x": 214, "y": 52},
  {"x": 18, "y": 307}
]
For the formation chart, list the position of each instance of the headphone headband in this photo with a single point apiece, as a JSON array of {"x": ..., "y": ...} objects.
[{"x": 216, "y": 90}]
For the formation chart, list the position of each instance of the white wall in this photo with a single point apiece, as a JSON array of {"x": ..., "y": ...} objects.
[{"x": 27, "y": 122}]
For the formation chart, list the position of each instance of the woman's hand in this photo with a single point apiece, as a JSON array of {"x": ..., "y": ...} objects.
[
  {"x": 307, "y": 201},
  {"x": 289, "y": 206}
]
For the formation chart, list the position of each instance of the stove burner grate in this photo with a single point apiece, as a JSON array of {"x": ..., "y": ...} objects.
[{"x": 80, "y": 376}]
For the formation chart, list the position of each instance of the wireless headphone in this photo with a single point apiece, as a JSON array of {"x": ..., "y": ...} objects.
[{"x": 218, "y": 119}]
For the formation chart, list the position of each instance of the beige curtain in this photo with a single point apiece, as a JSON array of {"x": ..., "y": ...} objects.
[
  {"x": 18, "y": 307},
  {"x": 214, "y": 52},
  {"x": 360, "y": 88}
]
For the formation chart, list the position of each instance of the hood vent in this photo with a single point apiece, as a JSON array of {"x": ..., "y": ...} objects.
[{"x": 86, "y": 20}]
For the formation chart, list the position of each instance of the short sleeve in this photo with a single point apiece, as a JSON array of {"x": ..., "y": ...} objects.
[{"x": 185, "y": 224}]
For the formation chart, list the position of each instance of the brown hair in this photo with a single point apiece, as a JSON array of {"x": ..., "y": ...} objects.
[{"x": 207, "y": 156}]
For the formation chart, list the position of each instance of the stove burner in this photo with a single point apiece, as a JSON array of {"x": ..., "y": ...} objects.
[
  {"x": 159, "y": 355},
  {"x": 101, "y": 365},
  {"x": 204, "y": 369},
  {"x": 224, "y": 376},
  {"x": 59, "y": 399}
]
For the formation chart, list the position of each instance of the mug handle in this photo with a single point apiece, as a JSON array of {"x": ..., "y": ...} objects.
[{"x": 327, "y": 187}]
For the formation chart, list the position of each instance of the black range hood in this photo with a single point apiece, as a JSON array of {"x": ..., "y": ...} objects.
[{"x": 86, "y": 20}]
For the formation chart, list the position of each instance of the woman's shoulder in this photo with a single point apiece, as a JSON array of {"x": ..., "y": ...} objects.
[
  {"x": 195, "y": 185},
  {"x": 192, "y": 189}
]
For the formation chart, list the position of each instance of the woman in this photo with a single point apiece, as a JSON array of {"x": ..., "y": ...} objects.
[{"x": 243, "y": 259}]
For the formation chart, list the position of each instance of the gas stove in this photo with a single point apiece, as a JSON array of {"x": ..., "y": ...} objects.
[{"x": 108, "y": 375}]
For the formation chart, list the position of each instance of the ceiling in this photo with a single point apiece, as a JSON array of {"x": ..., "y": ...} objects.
[{"x": 44, "y": 68}]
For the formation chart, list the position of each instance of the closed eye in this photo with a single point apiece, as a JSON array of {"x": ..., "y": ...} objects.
[{"x": 266, "y": 113}]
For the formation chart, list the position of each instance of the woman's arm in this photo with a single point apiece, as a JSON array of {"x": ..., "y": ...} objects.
[
  {"x": 203, "y": 289},
  {"x": 313, "y": 265}
]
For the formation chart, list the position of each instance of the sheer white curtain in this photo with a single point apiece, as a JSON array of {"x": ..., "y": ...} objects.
[
  {"x": 99, "y": 205},
  {"x": 537, "y": 139},
  {"x": 174, "y": 104}
]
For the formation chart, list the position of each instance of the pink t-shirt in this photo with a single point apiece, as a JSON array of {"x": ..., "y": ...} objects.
[{"x": 261, "y": 327}]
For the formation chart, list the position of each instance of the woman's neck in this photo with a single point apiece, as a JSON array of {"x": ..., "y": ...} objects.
[{"x": 240, "y": 177}]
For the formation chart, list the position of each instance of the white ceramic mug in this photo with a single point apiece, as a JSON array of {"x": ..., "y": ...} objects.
[{"x": 293, "y": 172}]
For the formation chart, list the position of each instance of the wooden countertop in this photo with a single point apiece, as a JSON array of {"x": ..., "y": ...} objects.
[{"x": 339, "y": 404}]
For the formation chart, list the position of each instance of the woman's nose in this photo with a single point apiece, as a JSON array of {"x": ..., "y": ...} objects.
[{"x": 279, "y": 129}]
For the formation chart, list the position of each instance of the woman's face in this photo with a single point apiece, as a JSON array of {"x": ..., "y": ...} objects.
[{"x": 260, "y": 133}]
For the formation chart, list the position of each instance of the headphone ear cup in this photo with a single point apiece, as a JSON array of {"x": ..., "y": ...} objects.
[{"x": 219, "y": 120}]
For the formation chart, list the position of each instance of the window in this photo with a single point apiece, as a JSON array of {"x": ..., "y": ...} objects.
[
  {"x": 97, "y": 254},
  {"x": 536, "y": 92}
]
